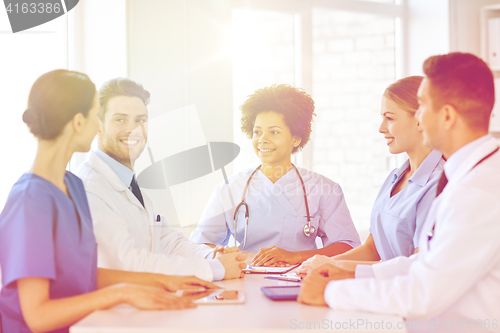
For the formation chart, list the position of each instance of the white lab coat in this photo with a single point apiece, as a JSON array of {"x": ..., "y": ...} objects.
[
  {"x": 456, "y": 275},
  {"x": 127, "y": 234}
]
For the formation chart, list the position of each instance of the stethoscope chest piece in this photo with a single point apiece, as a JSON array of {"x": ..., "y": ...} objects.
[{"x": 309, "y": 229}]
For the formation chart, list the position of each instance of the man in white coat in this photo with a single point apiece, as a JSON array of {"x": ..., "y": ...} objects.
[
  {"x": 453, "y": 283},
  {"x": 129, "y": 234}
]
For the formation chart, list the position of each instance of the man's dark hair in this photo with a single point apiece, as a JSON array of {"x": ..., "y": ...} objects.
[
  {"x": 465, "y": 82},
  {"x": 120, "y": 87}
]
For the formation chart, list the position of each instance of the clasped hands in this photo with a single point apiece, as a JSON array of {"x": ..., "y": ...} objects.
[{"x": 232, "y": 259}]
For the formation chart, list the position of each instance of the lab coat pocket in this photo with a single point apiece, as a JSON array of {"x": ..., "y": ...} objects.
[{"x": 156, "y": 229}]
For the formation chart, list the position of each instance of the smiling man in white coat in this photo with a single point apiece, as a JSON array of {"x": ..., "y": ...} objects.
[
  {"x": 453, "y": 283},
  {"x": 130, "y": 236}
]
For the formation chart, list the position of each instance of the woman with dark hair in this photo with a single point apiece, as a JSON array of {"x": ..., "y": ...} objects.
[
  {"x": 284, "y": 208},
  {"x": 48, "y": 251},
  {"x": 404, "y": 200}
]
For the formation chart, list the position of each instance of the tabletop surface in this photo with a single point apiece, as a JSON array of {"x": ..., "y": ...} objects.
[{"x": 258, "y": 314}]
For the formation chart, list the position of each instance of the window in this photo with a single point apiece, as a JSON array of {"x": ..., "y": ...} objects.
[
  {"x": 75, "y": 41},
  {"x": 25, "y": 56}
]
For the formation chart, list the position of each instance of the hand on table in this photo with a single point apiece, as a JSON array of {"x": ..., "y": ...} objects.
[
  {"x": 174, "y": 283},
  {"x": 313, "y": 286},
  {"x": 149, "y": 298},
  {"x": 196, "y": 294},
  {"x": 312, "y": 263},
  {"x": 275, "y": 257},
  {"x": 233, "y": 263}
]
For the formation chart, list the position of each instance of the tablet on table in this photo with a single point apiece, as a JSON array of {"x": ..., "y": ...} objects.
[{"x": 281, "y": 293}]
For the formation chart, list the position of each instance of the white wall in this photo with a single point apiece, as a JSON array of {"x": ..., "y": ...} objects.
[
  {"x": 464, "y": 25},
  {"x": 428, "y": 32},
  {"x": 465, "y": 34}
]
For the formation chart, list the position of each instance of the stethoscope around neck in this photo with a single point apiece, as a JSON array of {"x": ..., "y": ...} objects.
[{"x": 308, "y": 228}]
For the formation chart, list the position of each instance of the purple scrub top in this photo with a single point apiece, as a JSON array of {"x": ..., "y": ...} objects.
[
  {"x": 396, "y": 221},
  {"x": 44, "y": 233}
]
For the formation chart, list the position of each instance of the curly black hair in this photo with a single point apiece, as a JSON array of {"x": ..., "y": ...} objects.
[{"x": 296, "y": 106}]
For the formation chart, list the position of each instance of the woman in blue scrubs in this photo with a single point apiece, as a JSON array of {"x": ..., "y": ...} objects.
[
  {"x": 279, "y": 197},
  {"x": 48, "y": 252},
  {"x": 406, "y": 195}
]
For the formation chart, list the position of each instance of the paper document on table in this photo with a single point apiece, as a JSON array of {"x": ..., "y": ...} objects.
[
  {"x": 290, "y": 277},
  {"x": 268, "y": 270}
]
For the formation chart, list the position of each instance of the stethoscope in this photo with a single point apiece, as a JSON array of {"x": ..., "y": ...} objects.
[{"x": 308, "y": 228}]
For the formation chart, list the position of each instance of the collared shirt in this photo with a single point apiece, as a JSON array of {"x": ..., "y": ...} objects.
[
  {"x": 450, "y": 168},
  {"x": 126, "y": 175},
  {"x": 396, "y": 221},
  {"x": 454, "y": 277},
  {"x": 458, "y": 157}
]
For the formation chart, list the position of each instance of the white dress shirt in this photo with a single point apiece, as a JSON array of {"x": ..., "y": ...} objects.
[{"x": 456, "y": 274}]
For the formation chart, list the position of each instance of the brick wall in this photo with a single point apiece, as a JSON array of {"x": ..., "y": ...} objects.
[{"x": 354, "y": 61}]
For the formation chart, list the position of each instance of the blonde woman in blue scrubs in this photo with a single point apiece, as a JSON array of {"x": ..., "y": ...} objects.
[{"x": 406, "y": 195}]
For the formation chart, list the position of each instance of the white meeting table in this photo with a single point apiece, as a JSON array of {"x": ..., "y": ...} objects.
[{"x": 258, "y": 314}]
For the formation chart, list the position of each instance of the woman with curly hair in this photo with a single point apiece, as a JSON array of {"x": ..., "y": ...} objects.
[{"x": 284, "y": 208}]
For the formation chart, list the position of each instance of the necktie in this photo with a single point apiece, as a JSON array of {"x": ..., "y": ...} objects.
[
  {"x": 134, "y": 187},
  {"x": 441, "y": 184}
]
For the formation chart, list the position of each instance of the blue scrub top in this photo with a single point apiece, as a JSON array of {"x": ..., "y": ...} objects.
[
  {"x": 396, "y": 221},
  {"x": 44, "y": 233}
]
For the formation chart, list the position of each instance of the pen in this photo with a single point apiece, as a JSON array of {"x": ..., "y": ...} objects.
[
  {"x": 283, "y": 278},
  {"x": 289, "y": 278}
]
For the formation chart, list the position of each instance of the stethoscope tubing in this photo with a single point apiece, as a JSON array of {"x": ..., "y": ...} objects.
[{"x": 308, "y": 229}]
